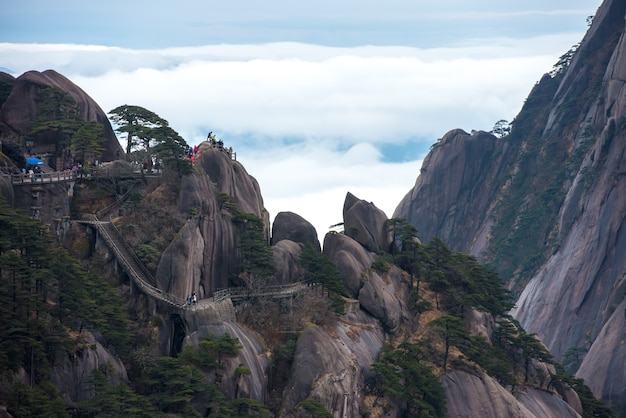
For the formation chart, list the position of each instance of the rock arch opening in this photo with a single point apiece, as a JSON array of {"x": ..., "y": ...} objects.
[{"x": 178, "y": 334}]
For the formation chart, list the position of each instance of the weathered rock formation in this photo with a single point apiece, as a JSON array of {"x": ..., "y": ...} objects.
[
  {"x": 291, "y": 226},
  {"x": 385, "y": 297},
  {"x": 251, "y": 357},
  {"x": 72, "y": 371},
  {"x": 203, "y": 256},
  {"x": 332, "y": 368},
  {"x": 23, "y": 106},
  {"x": 351, "y": 260},
  {"x": 456, "y": 182},
  {"x": 365, "y": 223},
  {"x": 485, "y": 398},
  {"x": 546, "y": 204},
  {"x": 286, "y": 258}
]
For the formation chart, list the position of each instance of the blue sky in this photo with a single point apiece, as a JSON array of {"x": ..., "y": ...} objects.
[
  {"x": 160, "y": 24},
  {"x": 316, "y": 98}
]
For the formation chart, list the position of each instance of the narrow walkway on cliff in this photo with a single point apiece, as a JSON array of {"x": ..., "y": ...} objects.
[
  {"x": 130, "y": 263},
  {"x": 222, "y": 300}
]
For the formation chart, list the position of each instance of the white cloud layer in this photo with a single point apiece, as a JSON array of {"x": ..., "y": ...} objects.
[{"x": 311, "y": 123}]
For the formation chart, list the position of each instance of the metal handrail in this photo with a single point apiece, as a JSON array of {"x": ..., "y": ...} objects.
[
  {"x": 218, "y": 296},
  {"x": 130, "y": 251},
  {"x": 54, "y": 177},
  {"x": 145, "y": 286}
]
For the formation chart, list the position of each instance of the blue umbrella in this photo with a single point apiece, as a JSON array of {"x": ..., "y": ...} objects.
[{"x": 33, "y": 161}]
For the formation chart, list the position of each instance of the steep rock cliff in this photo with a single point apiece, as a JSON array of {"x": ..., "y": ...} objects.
[
  {"x": 454, "y": 184},
  {"x": 203, "y": 255},
  {"x": 72, "y": 371},
  {"x": 545, "y": 205}
]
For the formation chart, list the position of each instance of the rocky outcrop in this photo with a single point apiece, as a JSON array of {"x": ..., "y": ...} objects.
[
  {"x": 286, "y": 258},
  {"x": 331, "y": 368},
  {"x": 451, "y": 197},
  {"x": 386, "y": 297},
  {"x": 180, "y": 269},
  {"x": 72, "y": 371},
  {"x": 365, "y": 223},
  {"x": 485, "y": 398},
  {"x": 552, "y": 193},
  {"x": 48, "y": 203},
  {"x": 6, "y": 85},
  {"x": 23, "y": 106},
  {"x": 203, "y": 255},
  {"x": 350, "y": 258},
  {"x": 251, "y": 356},
  {"x": 291, "y": 226}
]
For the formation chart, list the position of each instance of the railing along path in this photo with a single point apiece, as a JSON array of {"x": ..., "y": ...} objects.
[{"x": 143, "y": 279}]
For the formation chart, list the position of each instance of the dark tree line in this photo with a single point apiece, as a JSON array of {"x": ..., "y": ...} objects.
[{"x": 46, "y": 299}]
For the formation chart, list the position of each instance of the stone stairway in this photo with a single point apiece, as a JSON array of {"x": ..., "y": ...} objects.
[
  {"x": 131, "y": 265},
  {"x": 222, "y": 300}
]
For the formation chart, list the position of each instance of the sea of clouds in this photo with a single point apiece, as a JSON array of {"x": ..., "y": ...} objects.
[{"x": 310, "y": 122}]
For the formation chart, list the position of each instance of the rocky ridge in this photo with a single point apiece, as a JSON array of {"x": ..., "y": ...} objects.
[{"x": 552, "y": 194}]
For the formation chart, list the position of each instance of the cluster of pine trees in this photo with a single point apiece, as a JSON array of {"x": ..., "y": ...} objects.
[{"x": 407, "y": 369}]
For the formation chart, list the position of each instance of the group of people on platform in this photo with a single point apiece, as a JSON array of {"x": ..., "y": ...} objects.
[
  {"x": 192, "y": 299},
  {"x": 32, "y": 171},
  {"x": 219, "y": 144}
]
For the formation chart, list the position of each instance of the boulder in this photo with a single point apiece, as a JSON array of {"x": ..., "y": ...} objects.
[
  {"x": 366, "y": 224},
  {"x": 386, "y": 297},
  {"x": 291, "y": 226},
  {"x": 287, "y": 268},
  {"x": 482, "y": 396},
  {"x": 351, "y": 260},
  {"x": 23, "y": 106},
  {"x": 72, "y": 370}
]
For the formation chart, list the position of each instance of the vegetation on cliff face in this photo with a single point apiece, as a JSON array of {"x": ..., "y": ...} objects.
[
  {"x": 47, "y": 298},
  {"x": 146, "y": 130},
  {"x": 446, "y": 286},
  {"x": 525, "y": 230},
  {"x": 60, "y": 119}
]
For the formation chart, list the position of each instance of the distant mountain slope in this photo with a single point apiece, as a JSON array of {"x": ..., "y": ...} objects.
[{"x": 546, "y": 205}]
